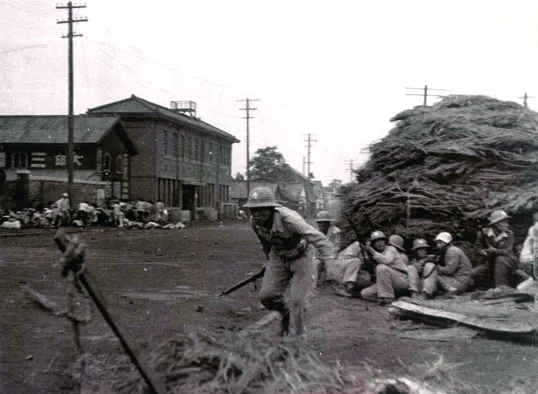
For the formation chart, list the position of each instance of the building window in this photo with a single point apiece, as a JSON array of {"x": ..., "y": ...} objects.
[
  {"x": 196, "y": 157},
  {"x": 189, "y": 147},
  {"x": 119, "y": 164},
  {"x": 20, "y": 160},
  {"x": 106, "y": 162},
  {"x": 182, "y": 146},
  {"x": 211, "y": 153}
]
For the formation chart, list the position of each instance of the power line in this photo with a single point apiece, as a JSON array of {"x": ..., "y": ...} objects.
[
  {"x": 71, "y": 117},
  {"x": 247, "y": 110},
  {"x": 424, "y": 94},
  {"x": 309, "y": 141},
  {"x": 525, "y": 98}
]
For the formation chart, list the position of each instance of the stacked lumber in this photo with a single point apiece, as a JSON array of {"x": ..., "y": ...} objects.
[{"x": 442, "y": 167}]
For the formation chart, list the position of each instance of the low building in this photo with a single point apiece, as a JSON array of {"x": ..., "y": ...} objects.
[
  {"x": 183, "y": 161},
  {"x": 36, "y": 146},
  {"x": 291, "y": 195}
]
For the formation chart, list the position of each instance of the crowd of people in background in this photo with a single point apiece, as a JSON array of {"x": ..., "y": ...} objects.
[{"x": 115, "y": 212}]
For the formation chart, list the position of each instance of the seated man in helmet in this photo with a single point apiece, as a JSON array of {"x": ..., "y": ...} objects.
[
  {"x": 346, "y": 268},
  {"x": 391, "y": 271},
  {"x": 449, "y": 269},
  {"x": 495, "y": 244},
  {"x": 324, "y": 221},
  {"x": 288, "y": 242},
  {"x": 398, "y": 242}
]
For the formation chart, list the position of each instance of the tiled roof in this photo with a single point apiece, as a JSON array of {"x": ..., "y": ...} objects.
[
  {"x": 52, "y": 129},
  {"x": 139, "y": 105},
  {"x": 238, "y": 189}
]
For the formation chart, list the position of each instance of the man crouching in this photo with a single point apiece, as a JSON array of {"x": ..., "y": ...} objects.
[{"x": 288, "y": 243}]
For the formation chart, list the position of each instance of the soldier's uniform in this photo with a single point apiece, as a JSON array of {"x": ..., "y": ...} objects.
[{"x": 289, "y": 246}]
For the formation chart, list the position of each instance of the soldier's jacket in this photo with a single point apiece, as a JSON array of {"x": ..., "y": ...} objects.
[
  {"x": 501, "y": 244},
  {"x": 419, "y": 263},
  {"x": 290, "y": 235},
  {"x": 456, "y": 264},
  {"x": 333, "y": 235},
  {"x": 390, "y": 257}
]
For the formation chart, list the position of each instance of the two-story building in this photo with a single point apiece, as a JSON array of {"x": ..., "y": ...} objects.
[
  {"x": 37, "y": 146},
  {"x": 183, "y": 161}
]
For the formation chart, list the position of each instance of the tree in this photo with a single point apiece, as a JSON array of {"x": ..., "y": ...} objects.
[
  {"x": 335, "y": 183},
  {"x": 267, "y": 165},
  {"x": 239, "y": 177}
]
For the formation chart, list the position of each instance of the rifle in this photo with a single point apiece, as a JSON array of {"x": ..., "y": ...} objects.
[{"x": 245, "y": 282}]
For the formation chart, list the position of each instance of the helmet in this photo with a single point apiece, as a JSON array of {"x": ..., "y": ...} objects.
[
  {"x": 261, "y": 197},
  {"x": 497, "y": 216},
  {"x": 420, "y": 243},
  {"x": 377, "y": 235},
  {"x": 445, "y": 237},
  {"x": 324, "y": 216},
  {"x": 397, "y": 242}
]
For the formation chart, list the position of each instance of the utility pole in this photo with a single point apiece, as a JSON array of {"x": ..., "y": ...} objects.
[
  {"x": 247, "y": 110},
  {"x": 525, "y": 98},
  {"x": 425, "y": 90},
  {"x": 350, "y": 169},
  {"x": 309, "y": 141},
  {"x": 71, "y": 117}
]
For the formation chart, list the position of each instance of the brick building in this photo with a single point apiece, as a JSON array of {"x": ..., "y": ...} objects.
[{"x": 183, "y": 161}]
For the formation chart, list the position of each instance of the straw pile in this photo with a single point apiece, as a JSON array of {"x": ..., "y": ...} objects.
[{"x": 444, "y": 166}]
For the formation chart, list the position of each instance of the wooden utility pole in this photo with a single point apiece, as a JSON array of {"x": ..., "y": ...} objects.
[
  {"x": 247, "y": 110},
  {"x": 309, "y": 141},
  {"x": 424, "y": 94},
  {"x": 70, "y": 117},
  {"x": 525, "y": 100},
  {"x": 350, "y": 169}
]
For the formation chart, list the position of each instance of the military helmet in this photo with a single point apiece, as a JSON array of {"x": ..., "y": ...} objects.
[
  {"x": 261, "y": 197},
  {"x": 420, "y": 243},
  {"x": 397, "y": 241},
  {"x": 377, "y": 235},
  {"x": 324, "y": 216},
  {"x": 444, "y": 236},
  {"x": 497, "y": 216}
]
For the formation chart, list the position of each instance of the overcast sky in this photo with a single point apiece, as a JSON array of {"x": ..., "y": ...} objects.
[{"x": 334, "y": 69}]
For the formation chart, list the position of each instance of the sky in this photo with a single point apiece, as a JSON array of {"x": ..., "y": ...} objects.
[{"x": 335, "y": 70}]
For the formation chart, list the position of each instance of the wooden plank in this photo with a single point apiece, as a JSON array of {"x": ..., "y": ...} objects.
[{"x": 488, "y": 324}]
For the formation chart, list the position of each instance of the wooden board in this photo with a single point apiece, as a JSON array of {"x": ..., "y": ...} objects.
[{"x": 513, "y": 326}]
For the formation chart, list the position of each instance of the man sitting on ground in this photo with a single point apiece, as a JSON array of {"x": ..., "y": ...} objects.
[
  {"x": 449, "y": 270},
  {"x": 391, "y": 271}
]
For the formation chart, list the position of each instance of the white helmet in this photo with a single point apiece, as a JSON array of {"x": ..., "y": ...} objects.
[{"x": 445, "y": 237}]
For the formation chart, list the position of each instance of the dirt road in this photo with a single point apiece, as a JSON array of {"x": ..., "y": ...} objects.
[{"x": 161, "y": 282}]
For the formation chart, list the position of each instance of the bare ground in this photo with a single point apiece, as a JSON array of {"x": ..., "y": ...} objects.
[{"x": 161, "y": 282}]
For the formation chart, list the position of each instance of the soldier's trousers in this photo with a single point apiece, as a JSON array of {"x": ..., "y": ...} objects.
[
  {"x": 429, "y": 285},
  {"x": 297, "y": 275}
]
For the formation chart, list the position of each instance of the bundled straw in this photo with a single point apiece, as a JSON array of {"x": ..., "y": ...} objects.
[{"x": 443, "y": 166}]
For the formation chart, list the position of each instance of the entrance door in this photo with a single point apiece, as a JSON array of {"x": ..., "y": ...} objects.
[{"x": 188, "y": 192}]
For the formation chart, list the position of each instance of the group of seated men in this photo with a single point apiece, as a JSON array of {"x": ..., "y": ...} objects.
[{"x": 381, "y": 270}]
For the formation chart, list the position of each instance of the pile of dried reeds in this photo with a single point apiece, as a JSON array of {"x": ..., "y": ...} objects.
[{"x": 443, "y": 166}]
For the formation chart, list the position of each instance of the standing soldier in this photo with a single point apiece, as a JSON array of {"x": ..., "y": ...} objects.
[
  {"x": 391, "y": 271},
  {"x": 288, "y": 243}
]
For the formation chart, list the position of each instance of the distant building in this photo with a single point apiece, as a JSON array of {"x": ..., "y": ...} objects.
[
  {"x": 183, "y": 161},
  {"x": 37, "y": 146}
]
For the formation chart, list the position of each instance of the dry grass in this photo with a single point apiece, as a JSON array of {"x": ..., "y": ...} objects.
[
  {"x": 233, "y": 363},
  {"x": 445, "y": 165}
]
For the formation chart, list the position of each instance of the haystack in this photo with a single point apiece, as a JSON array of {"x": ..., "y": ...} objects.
[{"x": 442, "y": 167}]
